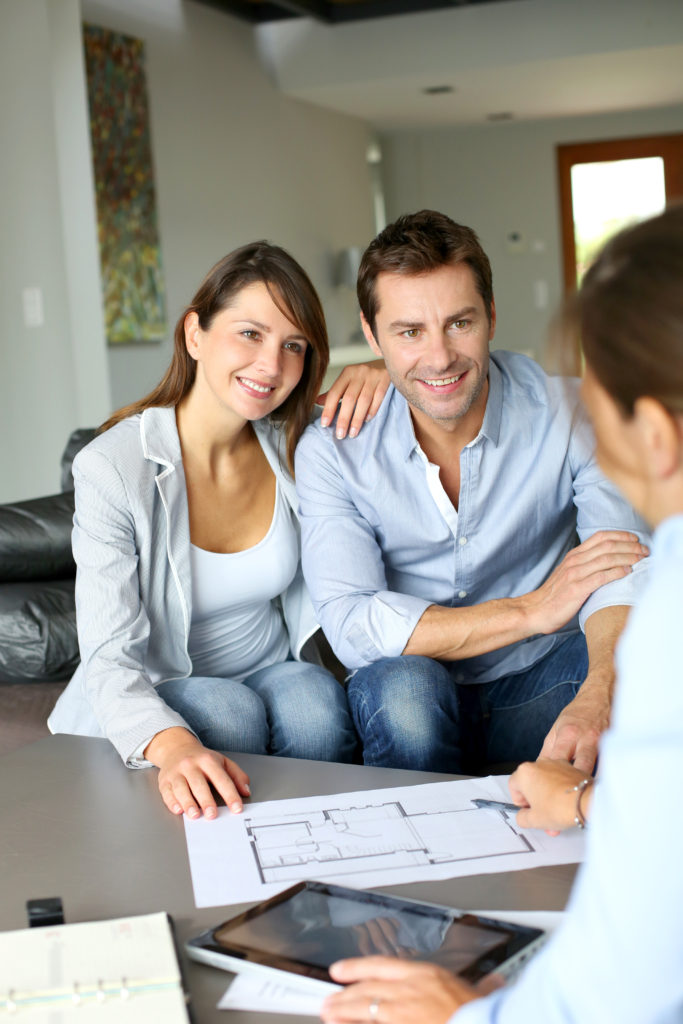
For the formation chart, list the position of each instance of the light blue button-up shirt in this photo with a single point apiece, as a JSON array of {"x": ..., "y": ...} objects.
[
  {"x": 618, "y": 957},
  {"x": 382, "y": 540}
]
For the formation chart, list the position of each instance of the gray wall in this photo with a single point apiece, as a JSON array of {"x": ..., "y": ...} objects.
[
  {"x": 500, "y": 178},
  {"x": 53, "y": 376},
  {"x": 234, "y": 161}
]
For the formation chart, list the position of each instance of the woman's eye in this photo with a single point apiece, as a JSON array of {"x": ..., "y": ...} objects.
[
  {"x": 294, "y": 346},
  {"x": 249, "y": 334}
]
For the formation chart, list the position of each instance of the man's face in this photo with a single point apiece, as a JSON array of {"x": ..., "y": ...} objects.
[{"x": 433, "y": 333}]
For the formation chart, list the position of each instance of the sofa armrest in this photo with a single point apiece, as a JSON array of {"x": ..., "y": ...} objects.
[{"x": 35, "y": 539}]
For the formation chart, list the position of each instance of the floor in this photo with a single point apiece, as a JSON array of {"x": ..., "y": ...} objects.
[{"x": 24, "y": 709}]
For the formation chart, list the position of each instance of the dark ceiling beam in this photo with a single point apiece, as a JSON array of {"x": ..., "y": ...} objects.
[{"x": 318, "y": 9}]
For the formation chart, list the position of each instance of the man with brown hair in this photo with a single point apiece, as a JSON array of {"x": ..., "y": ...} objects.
[{"x": 439, "y": 545}]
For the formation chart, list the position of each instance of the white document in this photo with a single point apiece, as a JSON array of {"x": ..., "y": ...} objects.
[
  {"x": 364, "y": 840},
  {"x": 249, "y": 992}
]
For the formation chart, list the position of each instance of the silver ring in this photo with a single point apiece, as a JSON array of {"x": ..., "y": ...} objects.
[{"x": 373, "y": 1009}]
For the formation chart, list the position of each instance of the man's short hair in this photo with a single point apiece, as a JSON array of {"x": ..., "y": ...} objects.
[{"x": 415, "y": 244}]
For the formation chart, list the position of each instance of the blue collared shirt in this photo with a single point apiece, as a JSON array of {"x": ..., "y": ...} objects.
[
  {"x": 619, "y": 954},
  {"x": 382, "y": 541}
]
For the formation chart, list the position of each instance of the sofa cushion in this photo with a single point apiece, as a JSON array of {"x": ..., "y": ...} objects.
[
  {"x": 35, "y": 539},
  {"x": 38, "y": 639}
]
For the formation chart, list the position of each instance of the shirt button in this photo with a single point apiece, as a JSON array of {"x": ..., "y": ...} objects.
[
  {"x": 462, "y": 593},
  {"x": 462, "y": 541}
]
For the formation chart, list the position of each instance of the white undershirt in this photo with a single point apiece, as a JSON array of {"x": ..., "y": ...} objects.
[{"x": 237, "y": 628}]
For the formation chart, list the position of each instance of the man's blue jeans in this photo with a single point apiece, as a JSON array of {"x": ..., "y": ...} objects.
[
  {"x": 292, "y": 709},
  {"x": 410, "y": 713}
]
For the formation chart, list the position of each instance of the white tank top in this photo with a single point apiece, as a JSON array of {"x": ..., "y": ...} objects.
[{"x": 237, "y": 628}]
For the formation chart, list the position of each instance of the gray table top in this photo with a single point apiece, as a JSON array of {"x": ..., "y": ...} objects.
[{"x": 77, "y": 824}]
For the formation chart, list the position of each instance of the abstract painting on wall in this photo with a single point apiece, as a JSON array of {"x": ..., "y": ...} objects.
[{"x": 132, "y": 278}]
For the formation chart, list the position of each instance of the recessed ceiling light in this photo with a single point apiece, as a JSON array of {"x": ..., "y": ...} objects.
[
  {"x": 502, "y": 115},
  {"x": 437, "y": 90}
]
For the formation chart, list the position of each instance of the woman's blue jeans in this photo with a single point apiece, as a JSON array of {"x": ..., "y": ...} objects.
[
  {"x": 291, "y": 709},
  {"x": 410, "y": 712}
]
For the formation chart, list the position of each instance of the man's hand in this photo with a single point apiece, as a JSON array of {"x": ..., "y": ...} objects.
[
  {"x": 187, "y": 770},
  {"x": 606, "y": 556},
  {"x": 543, "y": 790},
  {"x": 577, "y": 729},
  {"x": 358, "y": 392},
  {"x": 399, "y": 992}
]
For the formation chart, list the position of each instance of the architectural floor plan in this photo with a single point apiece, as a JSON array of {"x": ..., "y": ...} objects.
[
  {"x": 376, "y": 837},
  {"x": 365, "y": 839}
]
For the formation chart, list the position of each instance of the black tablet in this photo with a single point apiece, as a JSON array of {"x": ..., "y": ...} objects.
[{"x": 306, "y": 928}]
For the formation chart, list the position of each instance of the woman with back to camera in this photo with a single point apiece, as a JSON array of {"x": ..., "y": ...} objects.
[
  {"x": 191, "y": 607},
  {"x": 618, "y": 956}
]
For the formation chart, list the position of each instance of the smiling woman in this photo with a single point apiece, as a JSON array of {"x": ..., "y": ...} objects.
[{"x": 193, "y": 617}]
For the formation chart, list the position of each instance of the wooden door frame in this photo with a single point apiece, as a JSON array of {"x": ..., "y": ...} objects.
[{"x": 669, "y": 147}]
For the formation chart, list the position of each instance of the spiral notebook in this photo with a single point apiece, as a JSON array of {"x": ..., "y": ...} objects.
[{"x": 125, "y": 970}]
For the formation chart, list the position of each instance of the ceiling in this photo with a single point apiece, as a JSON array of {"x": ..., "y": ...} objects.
[
  {"x": 329, "y": 12},
  {"x": 406, "y": 64}
]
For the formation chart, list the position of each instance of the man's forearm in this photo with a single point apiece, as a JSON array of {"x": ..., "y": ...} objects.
[
  {"x": 603, "y": 630},
  {"x": 449, "y": 634}
]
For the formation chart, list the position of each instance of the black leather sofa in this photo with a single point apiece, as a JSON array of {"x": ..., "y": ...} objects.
[{"x": 38, "y": 641}]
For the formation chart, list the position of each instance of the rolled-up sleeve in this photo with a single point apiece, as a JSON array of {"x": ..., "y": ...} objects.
[{"x": 343, "y": 565}]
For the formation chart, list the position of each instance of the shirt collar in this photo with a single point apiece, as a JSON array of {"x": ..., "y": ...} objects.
[{"x": 490, "y": 428}]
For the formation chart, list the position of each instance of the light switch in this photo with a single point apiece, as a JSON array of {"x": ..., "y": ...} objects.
[{"x": 33, "y": 306}]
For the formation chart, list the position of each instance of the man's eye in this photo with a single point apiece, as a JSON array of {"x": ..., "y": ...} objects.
[
  {"x": 460, "y": 325},
  {"x": 412, "y": 332}
]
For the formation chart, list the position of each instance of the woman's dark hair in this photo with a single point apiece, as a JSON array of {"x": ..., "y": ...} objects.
[
  {"x": 628, "y": 313},
  {"x": 415, "y": 244},
  {"x": 292, "y": 292}
]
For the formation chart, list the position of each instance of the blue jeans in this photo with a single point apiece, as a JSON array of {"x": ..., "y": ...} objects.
[
  {"x": 410, "y": 713},
  {"x": 292, "y": 709}
]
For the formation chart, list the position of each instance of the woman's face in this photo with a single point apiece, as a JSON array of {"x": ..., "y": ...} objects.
[
  {"x": 252, "y": 356},
  {"x": 619, "y": 448}
]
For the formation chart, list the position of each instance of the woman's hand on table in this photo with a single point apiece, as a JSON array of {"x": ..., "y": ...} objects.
[
  {"x": 393, "y": 991},
  {"x": 544, "y": 790},
  {"x": 355, "y": 397},
  {"x": 188, "y": 770}
]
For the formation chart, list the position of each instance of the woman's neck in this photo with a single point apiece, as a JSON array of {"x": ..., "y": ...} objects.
[{"x": 209, "y": 434}]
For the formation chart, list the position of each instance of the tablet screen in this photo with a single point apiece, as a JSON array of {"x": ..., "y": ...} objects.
[{"x": 312, "y": 924}]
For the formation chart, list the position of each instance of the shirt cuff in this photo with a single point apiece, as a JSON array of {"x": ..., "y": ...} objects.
[
  {"x": 626, "y": 591},
  {"x": 385, "y": 627}
]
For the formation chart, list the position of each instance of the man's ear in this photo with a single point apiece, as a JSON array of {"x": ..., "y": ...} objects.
[
  {"x": 370, "y": 338},
  {"x": 661, "y": 436},
  {"x": 192, "y": 329}
]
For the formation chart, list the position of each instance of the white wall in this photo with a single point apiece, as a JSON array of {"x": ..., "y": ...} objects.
[
  {"x": 54, "y": 377},
  {"x": 235, "y": 161},
  {"x": 499, "y": 178}
]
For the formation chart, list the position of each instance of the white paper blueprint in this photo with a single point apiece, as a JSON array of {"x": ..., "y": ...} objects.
[{"x": 365, "y": 840}]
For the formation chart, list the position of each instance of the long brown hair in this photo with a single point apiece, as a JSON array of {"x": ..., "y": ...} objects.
[
  {"x": 292, "y": 292},
  {"x": 628, "y": 313}
]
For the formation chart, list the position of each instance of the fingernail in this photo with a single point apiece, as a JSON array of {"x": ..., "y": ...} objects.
[
  {"x": 193, "y": 812},
  {"x": 247, "y": 790},
  {"x": 236, "y": 807},
  {"x": 177, "y": 809},
  {"x": 352, "y": 432},
  {"x": 324, "y": 421},
  {"x": 210, "y": 812},
  {"x": 340, "y": 435}
]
